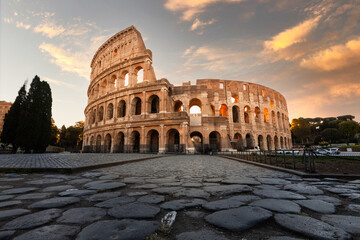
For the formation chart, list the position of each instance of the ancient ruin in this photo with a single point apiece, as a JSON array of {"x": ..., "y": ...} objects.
[{"x": 129, "y": 110}]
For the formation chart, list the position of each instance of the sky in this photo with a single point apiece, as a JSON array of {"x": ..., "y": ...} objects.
[{"x": 307, "y": 50}]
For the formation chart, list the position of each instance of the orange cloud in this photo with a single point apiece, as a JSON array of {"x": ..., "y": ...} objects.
[
  {"x": 22, "y": 25},
  {"x": 335, "y": 57},
  {"x": 345, "y": 90},
  {"x": 49, "y": 29},
  {"x": 199, "y": 24}
]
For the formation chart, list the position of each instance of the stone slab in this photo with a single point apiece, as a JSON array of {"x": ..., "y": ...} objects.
[
  {"x": 98, "y": 185},
  {"x": 200, "y": 235},
  {"x": 9, "y": 203},
  {"x": 273, "y": 181},
  {"x": 76, "y": 193},
  {"x": 277, "y": 205},
  {"x": 151, "y": 199},
  {"x": 227, "y": 189},
  {"x": 82, "y": 215},
  {"x": 350, "y": 224},
  {"x": 222, "y": 204},
  {"x": 32, "y": 196},
  {"x": 278, "y": 194},
  {"x": 44, "y": 181},
  {"x": 115, "y": 202},
  {"x": 103, "y": 196},
  {"x": 55, "y": 202},
  {"x": 58, "y": 188},
  {"x": 304, "y": 189},
  {"x": 4, "y": 214},
  {"x": 191, "y": 193},
  {"x": 319, "y": 206},
  {"x": 19, "y": 190},
  {"x": 182, "y": 203},
  {"x": 134, "y": 210},
  {"x": 53, "y": 232}
]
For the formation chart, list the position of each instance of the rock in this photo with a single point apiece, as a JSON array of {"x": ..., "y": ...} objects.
[
  {"x": 5, "y": 214},
  {"x": 6, "y": 197},
  {"x": 182, "y": 203},
  {"x": 277, "y": 205},
  {"x": 53, "y": 232},
  {"x": 350, "y": 224},
  {"x": 115, "y": 202},
  {"x": 32, "y": 196},
  {"x": 278, "y": 194},
  {"x": 134, "y": 210},
  {"x": 145, "y": 186},
  {"x": 245, "y": 181},
  {"x": 76, "y": 193},
  {"x": 61, "y": 176},
  {"x": 132, "y": 180},
  {"x": 161, "y": 180},
  {"x": 44, "y": 181},
  {"x": 120, "y": 230},
  {"x": 171, "y": 184},
  {"x": 103, "y": 196},
  {"x": 340, "y": 190},
  {"x": 267, "y": 187},
  {"x": 55, "y": 202},
  {"x": 312, "y": 179},
  {"x": 355, "y": 181},
  {"x": 305, "y": 189},
  {"x": 213, "y": 180},
  {"x": 317, "y": 206},
  {"x": 192, "y": 193},
  {"x": 352, "y": 196},
  {"x": 200, "y": 235},
  {"x": 335, "y": 201},
  {"x": 82, "y": 215},
  {"x": 354, "y": 207},
  {"x": 134, "y": 194},
  {"x": 310, "y": 227},
  {"x": 109, "y": 177},
  {"x": 227, "y": 189},
  {"x": 33, "y": 220},
  {"x": 222, "y": 204},
  {"x": 5, "y": 235},
  {"x": 9, "y": 203},
  {"x": 191, "y": 184},
  {"x": 238, "y": 219},
  {"x": 58, "y": 188},
  {"x": 151, "y": 199},
  {"x": 166, "y": 190},
  {"x": 91, "y": 175},
  {"x": 245, "y": 198},
  {"x": 195, "y": 214},
  {"x": 274, "y": 181},
  {"x": 10, "y": 179},
  {"x": 104, "y": 185},
  {"x": 79, "y": 181},
  {"x": 19, "y": 190}
]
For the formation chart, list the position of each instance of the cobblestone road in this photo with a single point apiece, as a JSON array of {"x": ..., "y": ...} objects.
[{"x": 214, "y": 198}]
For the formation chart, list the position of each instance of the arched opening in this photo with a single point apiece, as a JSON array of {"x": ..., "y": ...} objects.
[
  {"x": 281, "y": 142},
  {"x": 197, "y": 140},
  {"x": 244, "y": 87},
  {"x": 136, "y": 106},
  {"x": 285, "y": 143},
  {"x": 96, "y": 91},
  {"x": 238, "y": 142},
  {"x": 235, "y": 114},
  {"x": 249, "y": 141},
  {"x": 101, "y": 114},
  {"x": 110, "y": 111},
  {"x": 91, "y": 144},
  {"x": 139, "y": 75},
  {"x": 125, "y": 77},
  {"x": 98, "y": 144},
  {"x": 246, "y": 114},
  {"x": 135, "y": 141},
  {"x": 272, "y": 104},
  {"x": 173, "y": 141},
  {"x": 195, "y": 106},
  {"x": 257, "y": 113},
  {"x": 212, "y": 110},
  {"x": 153, "y": 141},
  {"x": 263, "y": 93},
  {"x": 273, "y": 118},
  {"x": 279, "y": 120},
  {"x": 276, "y": 142},
  {"x": 268, "y": 142},
  {"x": 266, "y": 115},
  {"x": 121, "y": 109},
  {"x": 215, "y": 141},
  {"x": 103, "y": 87},
  {"x": 93, "y": 116},
  {"x": 234, "y": 98},
  {"x": 112, "y": 83},
  {"x": 261, "y": 142},
  {"x": 223, "y": 110},
  {"x": 120, "y": 142},
  {"x": 154, "y": 103},
  {"x": 178, "y": 106},
  {"x": 283, "y": 122},
  {"x": 107, "y": 143}
]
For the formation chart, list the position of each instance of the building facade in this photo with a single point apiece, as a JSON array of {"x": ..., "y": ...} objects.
[
  {"x": 4, "y": 108},
  {"x": 129, "y": 110}
]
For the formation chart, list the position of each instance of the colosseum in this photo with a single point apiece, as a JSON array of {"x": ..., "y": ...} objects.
[{"x": 129, "y": 110}]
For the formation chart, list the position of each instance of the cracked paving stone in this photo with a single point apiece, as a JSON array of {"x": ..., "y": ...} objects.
[
  {"x": 33, "y": 220},
  {"x": 9, "y": 203},
  {"x": 151, "y": 199},
  {"x": 12, "y": 213},
  {"x": 5, "y": 235},
  {"x": 166, "y": 190},
  {"x": 244, "y": 181},
  {"x": 55, "y": 202},
  {"x": 222, "y": 204},
  {"x": 6, "y": 197},
  {"x": 82, "y": 215},
  {"x": 134, "y": 210},
  {"x": 76, "y": 193},
  {"x": 238, "y": 219},
  {"x": 103, "y": 196},
  {"x": 277, "y": 205},
  {"x": 19, "y": 190},
  {"x": 31, "y": 196},
  {"x": 279, "y": 194},
  {"x": 354, "y": 207},
  {"x": 350, "y": 224},
  {"x": 58, "y": 188},
  {"x": 120, "y": 230},
  {"x": 227, "y": 189},
  {"x": 115, "y": 202},
  {"x": 191, "y": 193},
  {"x": 146, "y": 186},
  {"x": 335, "y": 201},
  {"x": 304, "y": 189},
  {"x": 319, "y": 206},
  {"x": 200, "y": 235},
  {"x": 53, "y": 232},
  {"x": 310, "y": 227},
  {"x": 44, "y": 181},
  {"x": 182, "y": 203},
  {"x": 98, "y": 185},
  {"x": 274, "y": 181}
]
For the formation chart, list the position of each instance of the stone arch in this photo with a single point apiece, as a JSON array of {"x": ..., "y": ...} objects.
[
  {"x": 276, "y": 142},
  {"x": 96, "y": 90},
  {"x": 124, "y": 78},
  {"x": 223, "y": 111},
  {"x": 197, "y": 140},
  {"x": 281, "y": 143},
  {"x": 93, "y": 116},
  {"x": 249, "y": 141},
  {"x": 215, "y": 141},
  {"x": 110, "y": 111},
  {"x": 139, "y": 74},
  {"x": 257, "y": 113},
  {"x": 135, "y": 141},
  {"x": 212, "y": 109},
  {"x": 238, "y": 142},
  {"x": 112, "y": 83},
  {"x": 103, "y": 87},
  {"x": 173, "y": 140},
  {"x": 266, "y": 115},
  {"x": 234, "y": 98},
  {"x": 247, "y": 114},
  {"x": 153, "y": 140},
  {"x": 235, "y": 114},
  {"x": 120, "y": 142},
  {"x": 136, "y": 106},
  {"x": 101, "y": 114},
  {"x": 92, "y": 143},
  {"x": 121, "y": 112},
  {"x": 269, "y": 142},
  {"x": 107, "y": 147},
  {"x": 154, "y": 104},
  {"x": 273, "y": 119},
  {"x": 279, "y": 119},
  {"x": 178, "y": 106},
  {"x": 195, "y": 106},
  {"x": 285, "y": 143},
  {"x": 98, "y": 143},
  {"x": 261, "y": 142}
]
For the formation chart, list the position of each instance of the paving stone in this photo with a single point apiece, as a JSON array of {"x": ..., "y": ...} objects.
[
  {"x": 350, "y": 224},
  {"x": 5, "y": 187},
  {"x": 335, "y": 201},
  {"x": 76, "y": 193},
  {"x": 110, "y": 177},
  {"x": 10, "y": 179},
  {"x": 284, "y": 238},
  {"x": 227, "y": 189},
  {"x": 32, "y": 196},
  {"x": 238, "y": 219},
  {"x": 19, "y": 190},
  {"x": 245, "y": 181},
  {"x": 91, "y": 175},
  {"x": 9, "y": 203},
  {"x": 58, "y": 188},
  {"x": 6, "y": 197},
  {"x": 134, "y": 210},
  {"x": 161, "y": 180},
  {"x": 12, "y": 212},
  {"x": 98, "y": 185},
  {"x": 80, "y": 181},
  {"x": 200, "y": 235},
  {"x": 132, "y": 180},
  {"x": 333, "y": 180},
  {"x": 82, "y": 215},
  {"x": 319, "y": 206},
  {"x": 182, "y": 203},
  {"x": 310, "y": 227},
  {"x": 151, "y": 199},
  {"x": 146, "y": 186},
  {"x": 274, "y": 181},
  {"x": 222, "y": 204},
  {"x": 44, "y": 181},
  {"x": 53, "y": 232},
  {"x": 55, "y": 202},
  {"x": 267, "y": 187},
  {"x": 277, "y": 205},
  {"x": 194, "y": 214},
  {"x": 305, "y": 189},
  {"x": 340, "y": 190},
  {"x": 192, "y": 193},
  {"x": 348, "y": 186},
  {"x": 352, "y": 196},
  {"x": 171, "y": 184},
  {"x": 33, "y": 220},
  {"x": 191, "y": 184},
  {"x": 278, "y": 194},
  {"x": 354, "y": 207},
  {"x": 5, "y": 235},
  {"x": 103, "y": 196},
  {"x": 355, "y": 181},
  {"x": 62, "y": 176},
  {"x": 312, "y": 179},
  {"x": 115, "y": 202},
  {"x": 213, "y": 180},
  {"x": 166, "y": 190},
  {"x": 245, "y": 198},
  {"x": 121, "y": 230},
  {"x": 133, "y": 194}
]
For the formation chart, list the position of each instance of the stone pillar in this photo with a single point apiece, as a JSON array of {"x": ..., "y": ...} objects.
[
  {"x": 143, "y": 140},
  {"x": 128, "y": 108},
  {"x": 144, "y": 105},
  {"x": 162, "y": 100},
  {"x": 162, "y": 139},
  {"x": 184, "y": 135}
]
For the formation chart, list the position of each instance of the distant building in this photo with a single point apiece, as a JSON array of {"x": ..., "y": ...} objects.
[{"x": 4, "y": 108}]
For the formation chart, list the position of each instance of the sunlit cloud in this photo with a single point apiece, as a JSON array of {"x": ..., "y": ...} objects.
[
  {"x": 348, "y": 90},
  {"x": 188, "y": 51},
  {"x": 49, "y": 29},
  {"x": 199, "y": 24},
  {"x": 8, "y": 20},
  {"x": 22, "y": 25},
  {"x": 59, "y": 83},
  {"x": 335, "y": 57}
]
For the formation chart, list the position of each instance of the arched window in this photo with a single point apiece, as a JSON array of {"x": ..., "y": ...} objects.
[
  {"x": 107, "y": 143},
  {"x": 263, "y": 93},
  {"x": 136, "y": 106},
  {"x": 121, "y": 112},
  {"x": 223, "y": 111},
  {"x": 139, "y": 75},
  {"x": 178, "y": 106},
  {"x": 110, "y": 111},
  {"x": 272, "y": 104},
  {"x": 125, "y": 77},
  {"x": 244, "y": 87},
  {"x": 103, "y": 87},
  {"x": 93, "y": 116},
  {"x": 246, "y": 114},
  {"x": 257, "y": 113},
  {"x": 195, "y": 106},
  {"x": 266, "y": 115},
  {"x": 234, "y": 98},
  {"x": 112, "y": 83},
  {"x": 115, "y": 52},
  {"x": 154, "y": 104},
  {"x": 101, "y": 114},
  {"x": 273, "y": 118},
  {"x": 235, "y": 114}
]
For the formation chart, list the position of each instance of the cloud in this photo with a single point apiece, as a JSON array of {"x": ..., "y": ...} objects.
[
  {"x": 190, "y": 8},
  {"x": 292, "y": 35},
  {"x": 22, "y": 25},
  {"x": 67, "y": 60},
  {"x": 336, "y": 57},
  {"x": 199, "y": 24},
  {"x": 58, "y": 83},
  {"x": 8, "y": 20},
  {"x": 49, "y": 29},
  {"x": 348, "y": 90},
  {"x": 188, "y": 51}
]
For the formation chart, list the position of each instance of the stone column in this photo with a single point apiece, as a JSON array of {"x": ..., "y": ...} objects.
[
  {"x": 144, "y": 104},
  {"x": 143, "y": 140},
  {"x": 162, "y": 139},
  {"x": 162, "y": 100}
]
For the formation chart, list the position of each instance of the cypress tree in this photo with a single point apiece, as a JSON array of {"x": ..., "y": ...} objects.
[
  {"x": 45, "y": 117},
  {"x": 12, "y": 120}
]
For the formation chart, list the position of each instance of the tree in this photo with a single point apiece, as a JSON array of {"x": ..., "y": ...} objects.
[
  {"x": 62, "y": 141},
  {"x": 349, "y": 129},
  {"x": 54, "y": 137},
  {"x": 72, "y": 136},
  {"x": 301, "y": 128},
  {"x": 331, "y": 135},
  {"x": 12, "y": 120}
]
